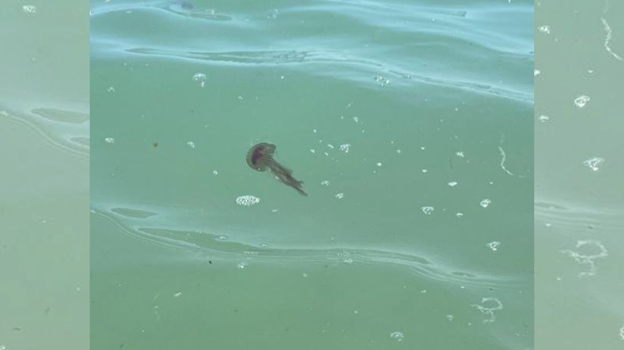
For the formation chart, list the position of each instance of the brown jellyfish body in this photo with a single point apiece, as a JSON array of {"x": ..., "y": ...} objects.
[{"x": 260, "y": 158}]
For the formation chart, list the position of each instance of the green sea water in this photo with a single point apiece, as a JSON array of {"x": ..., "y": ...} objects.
[
  {"x": 44, "y": 178},
  {"x": 410, "y": 125},
  {"x": 443, "y": 205},
  {"x": 579, "y": 208}
]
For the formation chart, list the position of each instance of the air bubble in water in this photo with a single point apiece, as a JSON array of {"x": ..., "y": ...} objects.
[
  {"x": 200, "y": 78},
  {"x": 340, "y": 195},
  {"x": 494, "y": 245},
  {"x": 427, "y": 210},
  {"x": 29, "y": 9},
  {"x": 109, "y": 140},
  {"x": 191, "y": 144},
  {"x": 544, "y": 29},
  {"x": 581, "y": 101},
  {"x": 485, "y": 203},
  {"x": 345, "y": 147},
  {"x": 397, "y": 335}
]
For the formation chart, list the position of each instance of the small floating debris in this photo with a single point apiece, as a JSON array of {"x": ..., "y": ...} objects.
[
  {"x": 485, "y": 203},
  {"x": 109, "y": 140}
]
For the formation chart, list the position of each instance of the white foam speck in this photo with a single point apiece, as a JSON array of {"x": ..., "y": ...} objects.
[
  {"x": 543, "y": 118},
  {"x": 427, "y": 210},
  {"x": 397, "y": 335},
  {"x": 594, "y": 163},
  {"x": 109, "y": 140},
  {"x": 582, "y": 101},
  {"x": 544, "y": 29},
  {"x": 485, "y": 203},
  {"x": 494, "y": 245},
  {"x": 200, "y": 78},
  {"x": 29, "y": 9},
  {"x": 247, "y": 200}
]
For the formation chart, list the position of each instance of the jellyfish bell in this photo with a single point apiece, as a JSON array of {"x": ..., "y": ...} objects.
[{"x": 260, "y": 158}]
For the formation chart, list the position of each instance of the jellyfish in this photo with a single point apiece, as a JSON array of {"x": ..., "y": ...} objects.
[{"x": 260, "y": 158}]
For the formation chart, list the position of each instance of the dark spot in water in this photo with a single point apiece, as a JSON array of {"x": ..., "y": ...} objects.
[
  {"x": 260, "y": 158},
  {"x": 155, "y": 144},
  {"x": 187, "y": 5}
]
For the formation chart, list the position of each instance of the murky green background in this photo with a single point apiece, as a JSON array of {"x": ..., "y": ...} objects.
[
  {"x": 410, "y": 124},
  {"x": 177, "y": 263},
  {"x": 44, "y": 179},
  {"x": 579, "y": 209}
]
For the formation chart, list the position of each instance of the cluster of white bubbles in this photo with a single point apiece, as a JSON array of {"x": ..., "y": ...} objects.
[
  {"x": 587, "y": 259},
  {"x": 247, "y": 200},
  {"x": 594, "y": 163}
]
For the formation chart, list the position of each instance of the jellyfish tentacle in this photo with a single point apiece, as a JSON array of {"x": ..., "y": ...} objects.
[{"x": 284, "y": 175}]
